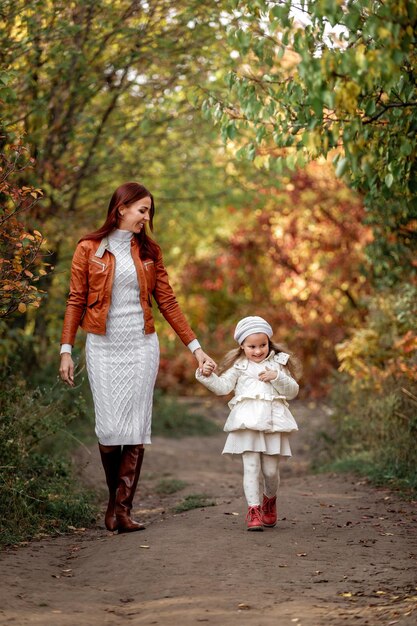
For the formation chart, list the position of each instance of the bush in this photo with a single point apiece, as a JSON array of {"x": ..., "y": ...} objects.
[
  {"x": 38, "y": 492},
  {"x": 375, "y": 396}
]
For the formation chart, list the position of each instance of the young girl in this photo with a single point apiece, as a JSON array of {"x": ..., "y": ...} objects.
[{"x": 259, "y": 425}]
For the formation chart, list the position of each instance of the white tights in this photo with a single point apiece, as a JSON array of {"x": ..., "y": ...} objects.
[{"x": 256, "y": 464}]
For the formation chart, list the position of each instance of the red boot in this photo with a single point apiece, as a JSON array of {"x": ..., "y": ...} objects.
[
  {"x": 269, "y": 511},
  {"x": 254, "y": 518},
  {"x": 130, "y": 465}
]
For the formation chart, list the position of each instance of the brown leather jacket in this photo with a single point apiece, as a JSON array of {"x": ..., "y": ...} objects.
[{"x": 92, "y": 274}]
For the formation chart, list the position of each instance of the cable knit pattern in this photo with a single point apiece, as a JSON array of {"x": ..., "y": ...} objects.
[{"x": 122, "y": 364}]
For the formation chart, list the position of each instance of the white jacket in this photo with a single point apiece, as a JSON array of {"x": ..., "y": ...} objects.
[{"x": 256, "y": 405}]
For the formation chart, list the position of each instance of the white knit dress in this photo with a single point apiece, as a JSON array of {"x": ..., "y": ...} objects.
[{"x": 122, "y": 364}]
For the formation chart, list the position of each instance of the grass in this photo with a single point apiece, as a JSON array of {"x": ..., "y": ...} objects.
[
  {"x": 171, "y": 418},
  {"x": 169, "y": 485},
  {"x": 378, "y": 475},
  {"x": 193, "y": 501},
  {"x": 39, "y": 492}
]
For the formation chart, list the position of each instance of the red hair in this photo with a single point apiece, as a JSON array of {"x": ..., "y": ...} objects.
[{"x": 125, "y": 195}]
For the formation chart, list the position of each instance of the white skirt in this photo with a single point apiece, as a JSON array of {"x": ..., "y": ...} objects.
[
  {"x": 122, "y": 369},
  {"x": 247, "y": 440}
]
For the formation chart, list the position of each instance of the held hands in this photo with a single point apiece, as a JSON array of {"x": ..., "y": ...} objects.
[
  {"x": 267, "y": 375},
  {"x": 66, "y": 369},
  {"x": 206, "y": 365}
]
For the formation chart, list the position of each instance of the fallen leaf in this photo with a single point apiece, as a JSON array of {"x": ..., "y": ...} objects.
[
  {"x": 347, "y": 594},
  {"x": 301, "y": 553},
  {"x": 243, "y": 607}
]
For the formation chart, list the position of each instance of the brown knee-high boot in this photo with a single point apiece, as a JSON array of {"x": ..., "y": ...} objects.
[
  {"x": 110, "y": 458},
  {"x": 130, "y": 465}
]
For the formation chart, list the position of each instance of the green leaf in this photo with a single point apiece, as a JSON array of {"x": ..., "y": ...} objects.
[
  {"x": 342, "y": 167},
  {"x": 389, "y": 179}
]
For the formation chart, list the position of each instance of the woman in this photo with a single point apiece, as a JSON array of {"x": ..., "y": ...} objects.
[{"x": 115, "y": 271}]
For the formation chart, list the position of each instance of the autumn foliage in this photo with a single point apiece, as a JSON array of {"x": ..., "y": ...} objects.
[
  {"x": 295, "y": 260},
  {"x": 21, "y": 263}
]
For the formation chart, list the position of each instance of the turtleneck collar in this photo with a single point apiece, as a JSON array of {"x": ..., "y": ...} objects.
[{"x": 121, "y": 235}]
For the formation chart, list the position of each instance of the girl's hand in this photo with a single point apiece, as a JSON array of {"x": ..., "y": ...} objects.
[
  {"x": 66, "y": 369},
  {"x": 206, "y": 365},
  {"x": 207, "y": 369},
  {"x": 267, "y": 375}
]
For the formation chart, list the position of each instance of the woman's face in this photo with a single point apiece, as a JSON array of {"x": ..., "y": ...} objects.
[
  {"x": 256, "y": 347},
  {"x": 135, "y": 216}
]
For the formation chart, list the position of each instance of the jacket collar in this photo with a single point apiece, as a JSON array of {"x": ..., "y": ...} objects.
[{"x": 104, "y": 244}]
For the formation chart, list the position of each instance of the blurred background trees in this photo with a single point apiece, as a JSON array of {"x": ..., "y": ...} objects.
[
  {"x": 279, "y": 140},
  {"x": 337, "y": 80}
]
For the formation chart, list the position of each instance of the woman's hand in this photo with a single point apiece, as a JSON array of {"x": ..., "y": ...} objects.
[
  {"x": 267, "y": 375},
  {"x": 206, "y": 365},
  {"x": 66, "y": 369}
]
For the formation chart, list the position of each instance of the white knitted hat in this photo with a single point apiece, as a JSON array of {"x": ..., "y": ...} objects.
[{"x": 249, "y": 326}]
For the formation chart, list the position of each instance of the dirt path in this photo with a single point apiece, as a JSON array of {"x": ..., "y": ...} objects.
[{"x": 342, "y": 552}]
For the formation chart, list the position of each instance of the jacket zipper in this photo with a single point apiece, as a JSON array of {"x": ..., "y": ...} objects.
[{"x": 103, "y": 265}]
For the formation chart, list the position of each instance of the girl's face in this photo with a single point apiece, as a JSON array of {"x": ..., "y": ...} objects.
[
  {"x": 135, "y": 216},
  {"x": 256, "y": 347}
]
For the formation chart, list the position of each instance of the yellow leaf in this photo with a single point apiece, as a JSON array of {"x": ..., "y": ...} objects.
[{"x": 22, "y": 307}]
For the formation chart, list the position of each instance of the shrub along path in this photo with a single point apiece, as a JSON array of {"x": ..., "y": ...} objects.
[{"x": 342, "y": 552}]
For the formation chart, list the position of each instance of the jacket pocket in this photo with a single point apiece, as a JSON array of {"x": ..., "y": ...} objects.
[
  {"x": 98, "y": 264},
  {"x": 150, "y": 273}
]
